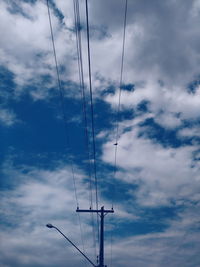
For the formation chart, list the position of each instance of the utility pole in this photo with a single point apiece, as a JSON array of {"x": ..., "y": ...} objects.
[{"x": 102, "y": 214}]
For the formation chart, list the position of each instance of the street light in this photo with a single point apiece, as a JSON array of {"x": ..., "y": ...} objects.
[{"x": 49, "y": 225}]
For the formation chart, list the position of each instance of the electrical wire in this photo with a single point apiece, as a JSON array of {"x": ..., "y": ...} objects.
[
  {"x": 61, "y": 92},
  {"x": 82, "y": 86},
  {"x": 92, "y": 110},
  {"x": 120, "y": 92},
  {"x": 118, "y": 113},
  {"x": 85, "y": 120}
]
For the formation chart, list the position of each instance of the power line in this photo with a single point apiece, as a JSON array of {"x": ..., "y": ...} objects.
[
  {"x": 82, "y": 87},
  {"x": 120, "y": 91},
  {"x": 92, "y": 109},
  {"x": 61, "y": 92},
  {"x": 118, "y": 109}
]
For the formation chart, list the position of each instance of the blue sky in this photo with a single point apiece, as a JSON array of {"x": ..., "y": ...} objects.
[{"x": 156, "y": 189}]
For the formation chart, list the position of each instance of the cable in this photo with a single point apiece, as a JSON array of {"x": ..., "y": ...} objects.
[
  {"x": 91, "y": 103},
  {"x": 92, "y": 110},
  {"x": 82, "y": 87},
  {"x": 61, "y": 92},
  {"x": 120, "y": 90},
  {"x": 118, "y": 111}
]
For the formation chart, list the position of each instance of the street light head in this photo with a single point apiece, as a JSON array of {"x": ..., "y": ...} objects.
[{"x": 49, "y": 225}]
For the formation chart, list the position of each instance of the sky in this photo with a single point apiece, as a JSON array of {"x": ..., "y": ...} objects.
[{"x": 156, "y": 187}]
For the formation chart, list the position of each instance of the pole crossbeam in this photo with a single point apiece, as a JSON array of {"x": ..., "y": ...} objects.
[
  {"x": 102, "y": 213},
  {"x": 98, "y": 211}
]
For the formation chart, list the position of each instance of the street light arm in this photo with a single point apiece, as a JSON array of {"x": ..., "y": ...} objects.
[{"x": 51, "y": 226}]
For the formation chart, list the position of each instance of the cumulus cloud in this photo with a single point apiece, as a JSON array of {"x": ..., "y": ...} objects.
[
  {"x": 160, "y": 42},
  {"x": 169, "y": 107},
  {"x": 26, "y": 48},
  {"x": 45, "y": 196},
  {"x": 161, "y": 60},
  {"x": 164, "y": 174},
  {"x": 41, "y": 197}
]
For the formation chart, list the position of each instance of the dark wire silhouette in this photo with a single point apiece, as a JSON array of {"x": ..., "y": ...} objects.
[
  {"x": 85, "y": 120},
  {"x": 61, "y": 92},
  {"x": 118, "y": 112},
  {"x": 120, "y": 92},
  {"x": 92, "y": 110}
]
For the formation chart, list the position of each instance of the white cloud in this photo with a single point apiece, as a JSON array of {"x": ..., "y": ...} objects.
[
  {"x": 40, "y": 197},
  {"x": 43, "y": 196},
  {"x": 168, "y": 106},
  {"x": 8, "y": 117},
  {"x": 161, "y": 59},
  {"x": 190, "y": 132},
  {"x": 159, "y": 249},
  {"x": 26, "y": 48},
  {"x": 155, "y": 49},
  {"x": 164, "y": 174}
]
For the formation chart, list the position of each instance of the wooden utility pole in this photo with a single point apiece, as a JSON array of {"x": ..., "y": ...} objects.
[{"x": 102, "y": 214}]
